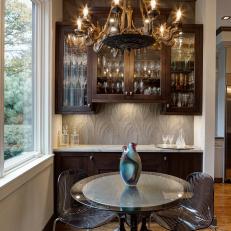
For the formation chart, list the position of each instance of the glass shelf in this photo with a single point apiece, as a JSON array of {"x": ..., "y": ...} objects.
[
  {"x": 110, "y": 72},
  {"x": 183, "y": 72},
  {"x": 147, "y": 72}
]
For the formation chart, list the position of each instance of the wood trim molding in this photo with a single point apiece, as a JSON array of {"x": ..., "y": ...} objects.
[
  {"x": 218, "y": 180},
  {"x": 223, "y": 28},
  {"x": 49, "y": 225}
]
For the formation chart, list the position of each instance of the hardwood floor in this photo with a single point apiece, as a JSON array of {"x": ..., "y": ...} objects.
[{"x": 222, "y": 211}]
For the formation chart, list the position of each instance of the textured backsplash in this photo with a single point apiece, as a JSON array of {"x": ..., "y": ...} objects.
[{"x": 123, "y": 123}]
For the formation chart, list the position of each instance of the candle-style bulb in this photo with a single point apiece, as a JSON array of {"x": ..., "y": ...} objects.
[
  {"x": 79, "y": 23},
  {"x": 178, "y": 15},
  {"x": 85, "y": 11},
  {"x": 116, "y": 2},
  {"x": 153, "y": 4},
  {"x": 162, "y": 29}
]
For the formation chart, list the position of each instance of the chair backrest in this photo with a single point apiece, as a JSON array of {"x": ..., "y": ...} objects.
[
  {"x": 66, "y": 180},
  {"x": 202, "y": 201}
]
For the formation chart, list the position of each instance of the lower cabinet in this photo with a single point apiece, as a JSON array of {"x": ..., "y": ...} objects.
[{"x": 176, "y": 164}]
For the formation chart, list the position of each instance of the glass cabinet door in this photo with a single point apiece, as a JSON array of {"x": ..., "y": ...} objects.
[
  {"x": 186, "y": 72},
  {"x": 183, "y": 72},
  {"x": 110, "y": 72},
  {"x": 147, "y": 72},
  {"x": 74, "y": 73},
  {"x": 72, "y": 85}
]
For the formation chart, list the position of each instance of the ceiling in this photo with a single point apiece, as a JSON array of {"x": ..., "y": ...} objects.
[{"x": 223, "y": 9}]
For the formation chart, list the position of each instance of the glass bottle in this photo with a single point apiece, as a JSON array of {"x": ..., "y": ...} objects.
[
  {"x": 65, "y": 136},
  {"x": 74, "y": 137}
]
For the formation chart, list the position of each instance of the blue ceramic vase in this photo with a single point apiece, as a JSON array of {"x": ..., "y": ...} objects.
[{"x": 130, "y": 165}]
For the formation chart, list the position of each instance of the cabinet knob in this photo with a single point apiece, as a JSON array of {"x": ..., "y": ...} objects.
[
  {"x": 165, "y": 158},
  {"x": 91, "y": 158},
  {"x": 89, "y": 105},
  {"x": 131, "y": 93},
  {"x": 126, "y": 93},
  {"x": 167, "y": 105}
]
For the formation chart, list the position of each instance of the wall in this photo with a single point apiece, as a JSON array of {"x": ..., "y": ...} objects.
[
  {"x": 123, "y": 123},
  {"x": 57, "y": 16},
  {"x": 220, "y": 91},
  {"x": 30, "y": 206},
  {"x": 204, "y": 126}
]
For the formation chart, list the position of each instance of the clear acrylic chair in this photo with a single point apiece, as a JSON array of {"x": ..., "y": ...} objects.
[
  {"x": 73, "y": 213},
  {"x": 194, "y": 213}
]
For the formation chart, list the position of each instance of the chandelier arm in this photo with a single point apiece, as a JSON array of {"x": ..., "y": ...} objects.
[
  {"x": 123, "y": 16},
  {"x": 134, "y": 28},
  {"x": 105, "y": 27},
  {"x": 142, "y": 10},
  {"x": 145, "y": 6}
]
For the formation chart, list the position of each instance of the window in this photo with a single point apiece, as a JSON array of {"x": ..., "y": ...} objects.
[
  {"x": 25, "y": 106},
  {"x": 18, "y": 78}
]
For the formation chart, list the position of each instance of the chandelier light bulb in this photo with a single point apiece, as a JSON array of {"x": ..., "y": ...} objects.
[
  {"x": 162, "y": 29},
  {"x": 79, "y": 23},
  {"x": 153, "y": 4},
  {"x": 147, "y": 21},
  {"x": 112, "y": 20},
  {"x": 85, "y": 11},
  {"x": 116, "y": 2},
  {"x": 178, "y": 15}
]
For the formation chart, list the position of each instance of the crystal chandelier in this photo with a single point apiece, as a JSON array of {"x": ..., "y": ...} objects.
[{"x": 120, "y": 32}]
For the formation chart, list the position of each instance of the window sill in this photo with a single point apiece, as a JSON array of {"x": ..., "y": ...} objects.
[{"x": 12, "y": 181}]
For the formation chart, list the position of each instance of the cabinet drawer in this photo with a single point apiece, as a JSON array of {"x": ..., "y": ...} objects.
[
  {"x": 105, "y": 162},
  {"x": 153, "y": 162}
]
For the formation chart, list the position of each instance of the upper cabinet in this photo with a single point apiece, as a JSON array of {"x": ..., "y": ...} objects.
[
  {"x": 73, "y": 83},
  {"x": 185, "y": 73},
  {"x": 129, "y": 76},
  {"x": 172, "y": 76}
]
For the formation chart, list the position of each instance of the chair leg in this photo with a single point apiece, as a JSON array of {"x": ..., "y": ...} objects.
[
  {"x": 54, "y": 223},
  {"x": 213, "y": 226}
]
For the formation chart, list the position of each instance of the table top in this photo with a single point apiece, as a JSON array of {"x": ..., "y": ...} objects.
[{"x": 153, "y": 192}]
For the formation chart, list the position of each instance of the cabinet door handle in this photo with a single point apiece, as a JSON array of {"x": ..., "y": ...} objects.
[
  {"x": 165, "y": 158},
  {"x": 167, "y": 105},
  {"x": 131, "y": 93},
  {"x": 91, "y": 158}
]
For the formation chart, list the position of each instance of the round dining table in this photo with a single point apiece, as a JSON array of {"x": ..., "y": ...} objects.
[{"x": 153, "y": 192}]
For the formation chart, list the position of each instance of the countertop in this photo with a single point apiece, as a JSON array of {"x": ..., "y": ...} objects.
[{"x": 118, "y": 148}]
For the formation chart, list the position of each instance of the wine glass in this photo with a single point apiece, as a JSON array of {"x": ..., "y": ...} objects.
[
  {"x": 170, "y": 139},
  {"x": 165, "y": 139}
]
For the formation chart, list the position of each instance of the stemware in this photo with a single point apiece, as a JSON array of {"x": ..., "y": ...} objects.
[
  {"x": 105, "y": 85},
  {"x": 170, "y": 139},
  {"x": 165, "y": 139}
]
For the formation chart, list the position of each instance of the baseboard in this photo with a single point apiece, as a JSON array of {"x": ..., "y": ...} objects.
[
  {"x": 49, "y": 225},
  {"x": 218, "y": 180}
]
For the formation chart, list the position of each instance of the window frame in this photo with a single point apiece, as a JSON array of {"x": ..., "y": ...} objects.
[{"x": 42, "y": 86}]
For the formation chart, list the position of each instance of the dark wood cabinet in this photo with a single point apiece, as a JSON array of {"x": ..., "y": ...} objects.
[
  {"x": 176, "y": 164},
  {"x": 129, "y": 76},
  {"x": 72, "y": 73},
  {"x": 169, "y": 75},
  {"x": 182, "y": 164},
  {"x": 185, "y": 73}
]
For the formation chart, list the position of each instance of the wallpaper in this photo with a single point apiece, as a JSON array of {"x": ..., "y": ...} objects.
[{"x": 123, "y": 123}]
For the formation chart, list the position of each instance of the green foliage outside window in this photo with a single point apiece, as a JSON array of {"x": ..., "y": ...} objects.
[{"x": 18, "y": 129}]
